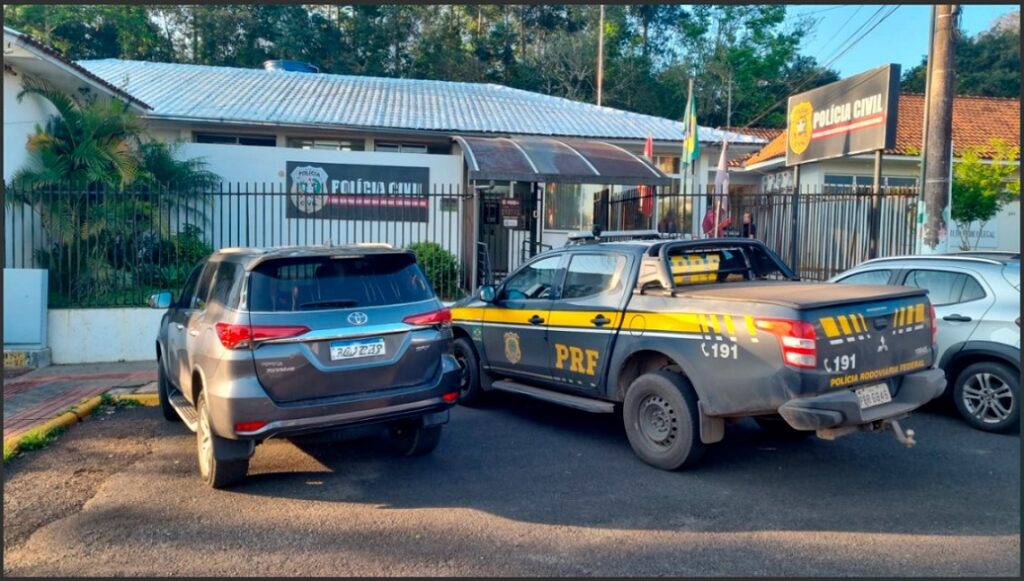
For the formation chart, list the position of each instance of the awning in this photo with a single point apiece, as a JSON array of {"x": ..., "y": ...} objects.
[{"x": 542, "y": 159}]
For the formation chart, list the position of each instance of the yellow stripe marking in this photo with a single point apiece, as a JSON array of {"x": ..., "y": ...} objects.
[
  {"x": 920, "y": 313},
  {"x": 856, "y": 324},
  {"x": 729, "y": 327},
  {"x": 844, "y": 324},
  {"x": 863, "y": 322},
  {"x": 714, "y": 324},
  {"x": 750, "y": 325},
  {"x": 829, "y": 324}
]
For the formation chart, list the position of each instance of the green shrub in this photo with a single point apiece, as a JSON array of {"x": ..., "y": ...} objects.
[{"x": 441, "y": 267}]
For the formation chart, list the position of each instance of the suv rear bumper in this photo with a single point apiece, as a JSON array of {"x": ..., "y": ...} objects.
[
  {"x": 842, "y": 408},
  {"x": 245, "y": 400}
]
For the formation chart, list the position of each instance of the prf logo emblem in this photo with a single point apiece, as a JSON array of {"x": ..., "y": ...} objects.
[
  {"x": 800, "y": 126},
  {"x": 512, "y": 351}
]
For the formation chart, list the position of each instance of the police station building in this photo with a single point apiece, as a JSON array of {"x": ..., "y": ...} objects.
[{"x": 292, "y": 128}]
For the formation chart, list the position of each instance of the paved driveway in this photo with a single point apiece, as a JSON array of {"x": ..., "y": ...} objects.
[{"x": 521, "y": 488}]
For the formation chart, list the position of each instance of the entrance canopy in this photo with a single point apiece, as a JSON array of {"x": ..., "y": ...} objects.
[{"x": 544, "y": 159}]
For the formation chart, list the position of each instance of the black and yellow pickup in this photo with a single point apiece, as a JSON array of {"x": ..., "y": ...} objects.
[{"x": 688, "y": 335}]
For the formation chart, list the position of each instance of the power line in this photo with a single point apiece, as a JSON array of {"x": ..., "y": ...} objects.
[{"x": 850, "y": 44}]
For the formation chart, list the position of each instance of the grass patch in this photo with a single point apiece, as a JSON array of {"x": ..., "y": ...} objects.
[
  {"x": 109, "y": 403},
  {"x": 33, "y": 440}
]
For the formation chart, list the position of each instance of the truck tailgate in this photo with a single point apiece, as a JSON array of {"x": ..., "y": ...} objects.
[{"x": 864, "y": 342}]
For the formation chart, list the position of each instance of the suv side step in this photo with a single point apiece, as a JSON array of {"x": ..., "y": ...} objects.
[
  {"x": 574, "y": 401},
  {"x": 185, "y": 410}
]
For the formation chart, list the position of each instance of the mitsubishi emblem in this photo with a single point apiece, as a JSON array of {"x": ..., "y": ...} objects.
[{"x": 882, "y": 346}]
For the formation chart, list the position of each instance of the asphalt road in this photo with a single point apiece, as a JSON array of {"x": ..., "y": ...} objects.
[{"x": 519, "y": 488}]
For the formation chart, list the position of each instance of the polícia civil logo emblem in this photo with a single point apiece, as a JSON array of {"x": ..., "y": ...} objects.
[
  {"x": 800, "y": 127},
  {"x": 512, "y": 351},
  {"x": 308, "y": 185}
]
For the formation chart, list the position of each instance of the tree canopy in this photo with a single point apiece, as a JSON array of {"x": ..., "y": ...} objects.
[
  {"x": 987, "y": 65},
  {"x": 651, "y": 50}
]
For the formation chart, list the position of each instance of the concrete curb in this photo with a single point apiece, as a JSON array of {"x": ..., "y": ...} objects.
[{"x": 80, "y": 411}]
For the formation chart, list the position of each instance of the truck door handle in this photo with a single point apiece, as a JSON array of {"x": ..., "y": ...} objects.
[
  {"x": 536, "y": 320},
  {"x": 600, "y": 320},
  {"x": 193, "y": 332},
  {"x": 179, "y": 326},
  {"x": 956, "y": 318}
]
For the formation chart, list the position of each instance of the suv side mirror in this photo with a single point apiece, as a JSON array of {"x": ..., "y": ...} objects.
[
  {"x": 486, "y": 293},
  {"x": 160, "y": 300}
]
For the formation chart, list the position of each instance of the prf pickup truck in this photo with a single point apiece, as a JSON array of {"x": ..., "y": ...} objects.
[{"x": 687, "y": 335}]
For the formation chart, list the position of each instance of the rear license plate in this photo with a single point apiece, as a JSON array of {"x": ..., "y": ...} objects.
[
  {"x": 341, "y": 350},
  {"x": 873, "y": 395}
]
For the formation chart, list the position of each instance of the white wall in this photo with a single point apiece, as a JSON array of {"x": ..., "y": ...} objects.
[
  {"x": 103, "y": 335},
  {"x": 20, "y": 121}
]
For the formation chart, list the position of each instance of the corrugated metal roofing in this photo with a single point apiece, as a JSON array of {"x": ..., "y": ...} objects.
[{"x": 255, "y": 95}]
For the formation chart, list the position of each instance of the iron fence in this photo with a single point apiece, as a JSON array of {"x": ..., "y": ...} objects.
[
  {"x": 820, "y": 233},
  {"x": 114, "y": 248},
  {"x": 107, "y": 248}
]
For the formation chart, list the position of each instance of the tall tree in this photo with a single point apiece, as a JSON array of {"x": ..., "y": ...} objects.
[{"x": 987, "y": 65}]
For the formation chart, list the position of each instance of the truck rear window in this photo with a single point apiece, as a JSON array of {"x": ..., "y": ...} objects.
[
  {"x": 316, "y": 283},
  {"x": 718, "y": 264}
]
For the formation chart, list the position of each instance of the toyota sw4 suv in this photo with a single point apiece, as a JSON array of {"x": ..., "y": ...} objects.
[
  {"x": 292, "y": 341},
  {"x": 977, "y": 301}
]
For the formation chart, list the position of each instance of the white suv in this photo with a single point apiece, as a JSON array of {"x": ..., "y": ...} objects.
[{"x": 976, "y": 296}]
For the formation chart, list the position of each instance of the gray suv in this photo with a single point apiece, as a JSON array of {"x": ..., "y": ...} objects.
[
  {"x": 976, "y": 296},
  {"x": 290, "y": 341}
]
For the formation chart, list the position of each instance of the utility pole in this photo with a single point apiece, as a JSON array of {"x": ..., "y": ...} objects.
[
  {"x": 600, "y": 55},
  {"x": 728, "y": 107},
  {"x": 933, "y": 231}
]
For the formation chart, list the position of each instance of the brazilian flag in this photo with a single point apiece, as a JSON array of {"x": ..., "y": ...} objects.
[{"x": 691, "y": 146}]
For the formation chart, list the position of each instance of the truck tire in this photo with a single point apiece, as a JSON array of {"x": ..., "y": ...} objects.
[
  {"x": 662, "y": 422},
  {"x": 777, "y": 427},
  {"x": 411, "y": 439},
  {"x": 470, "y": 391},
  {"x": 163, "y": 390},
  {"x": 987, "y": 395},
  {"x": 215, "y": 473}
]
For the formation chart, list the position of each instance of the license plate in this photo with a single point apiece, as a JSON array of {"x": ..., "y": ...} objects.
[
  {"x": 341, "y": 350},
  {"x": 873, "y": 395}
]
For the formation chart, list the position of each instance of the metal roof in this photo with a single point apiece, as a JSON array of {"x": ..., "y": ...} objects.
[
  {"x": 531, "y": 159},
  {"x": 46, "y": 54},
  {"x": 225, "y": 94}
]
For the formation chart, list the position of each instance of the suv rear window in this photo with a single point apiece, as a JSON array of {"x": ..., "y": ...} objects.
[{"x": 316, "y": 283}]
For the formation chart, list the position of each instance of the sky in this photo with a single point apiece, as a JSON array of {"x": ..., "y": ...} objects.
[{"x": 902, "y": 38}]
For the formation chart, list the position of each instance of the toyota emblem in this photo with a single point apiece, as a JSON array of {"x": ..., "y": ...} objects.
[{"x": 357, "y": 318}]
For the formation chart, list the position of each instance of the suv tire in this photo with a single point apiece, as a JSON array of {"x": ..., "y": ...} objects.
[
  {"x": 777, "y": 427},
  {"x": 662, "y": 422},
  {"x": 411, "y": 439},
  {"x": 470, "y": 391},
  {"x": 215, "y": 473},
  {"x": 163, "y": 390},
  {"x": 987, "y": 395}
]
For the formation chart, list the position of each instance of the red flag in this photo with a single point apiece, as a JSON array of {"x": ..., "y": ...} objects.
[{"x": 646, "y": 197}]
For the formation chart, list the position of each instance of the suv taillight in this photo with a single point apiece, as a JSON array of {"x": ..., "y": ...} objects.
[
  {"x": 242, "y": 336},
  {"x": 797, "y": 339},
  {"x": 935, "y": 325},
  {"x": 438, "y": 317}
]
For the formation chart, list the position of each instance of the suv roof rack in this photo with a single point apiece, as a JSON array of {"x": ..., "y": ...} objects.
[{"x": 955, "y": 257}]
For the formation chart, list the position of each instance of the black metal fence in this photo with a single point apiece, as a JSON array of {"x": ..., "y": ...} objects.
[
  {"x": 114, "y": 248},
  {"x": 819, "y": 233}
]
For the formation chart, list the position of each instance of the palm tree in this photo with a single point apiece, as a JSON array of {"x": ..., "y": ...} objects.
[{"x": 81, "y": 163}]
